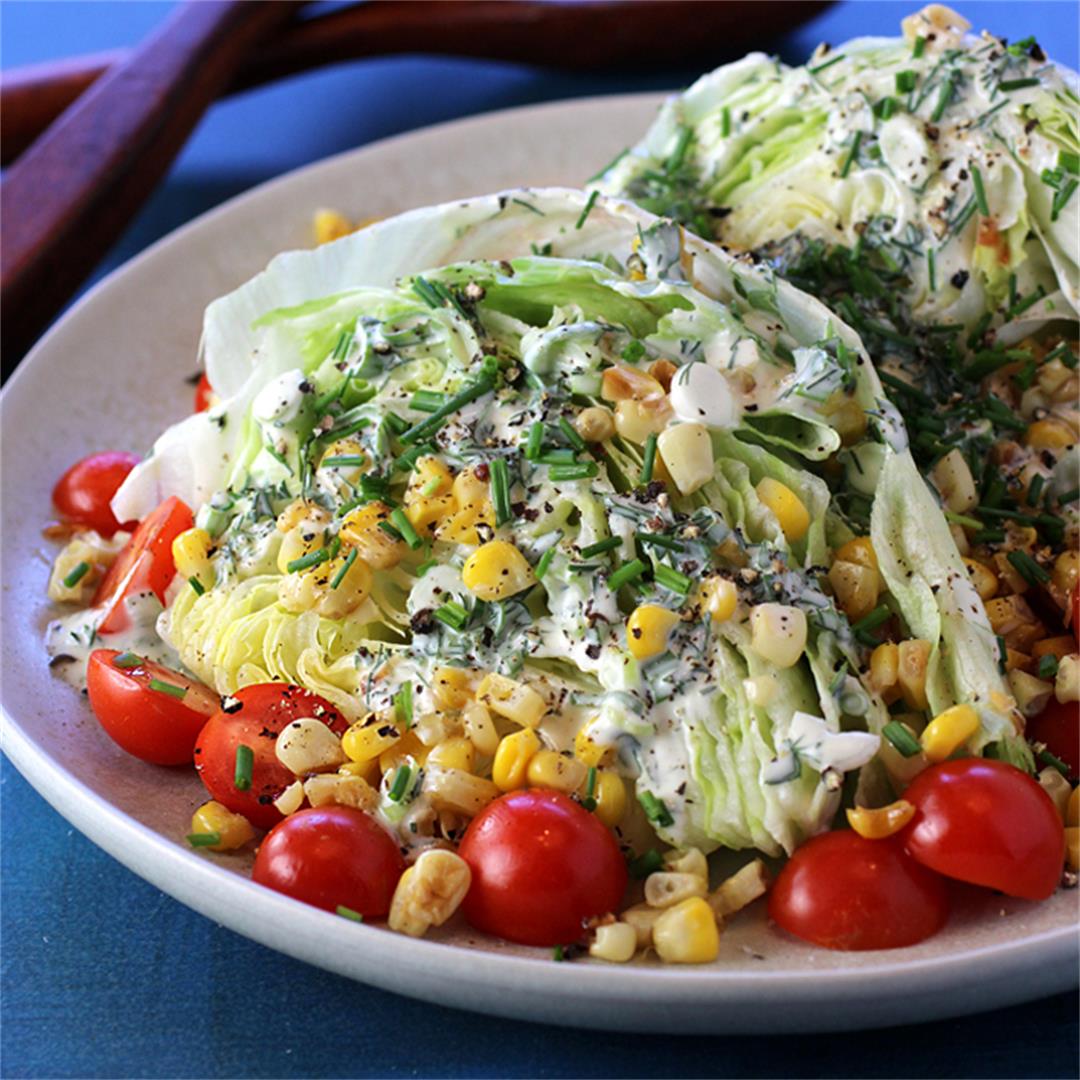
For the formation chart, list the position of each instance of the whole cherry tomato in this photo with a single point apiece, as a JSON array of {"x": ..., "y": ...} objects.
[
  {"x": 541, "y": 867},
  {"x": 84, "y": 492}
]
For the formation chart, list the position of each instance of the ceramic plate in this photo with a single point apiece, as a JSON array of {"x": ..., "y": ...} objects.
[{"x": 111, "y": 375}]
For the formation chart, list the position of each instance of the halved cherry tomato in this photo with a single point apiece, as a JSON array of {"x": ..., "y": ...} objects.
[
  {"x": 987, "y": 823},
  {"x": 204, "y": 394},
  {"x": 332, "y": 856},
  {"x": 84, "y": 492},
  {"x": 145, "y": 564},
  {"x": 841, "y": 891},
  {"x": 541, "y": 867},
  {"x": 254, "y": 717},
  {"x": 139, "y": 713},
  {"x": 1058, "y": 725}
]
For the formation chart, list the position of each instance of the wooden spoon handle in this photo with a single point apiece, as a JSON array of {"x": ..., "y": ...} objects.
[{"x": 69, "y": 196}]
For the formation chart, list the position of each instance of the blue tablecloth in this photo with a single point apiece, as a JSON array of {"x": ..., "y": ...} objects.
[{"x": 105, "y": 976}]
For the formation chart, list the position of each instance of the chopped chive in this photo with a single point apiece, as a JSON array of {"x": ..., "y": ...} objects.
[
  {"x": 405, "y": 528},
  {"x": 827, "y": 64},
  {"x": 885, "y": 108},
  {"x": 1061, "y": 199},
  {"x": 204, "y": 839},
  {"x": 337, "y": 460},
  {"x": 1009, "y": 515},
  {"x": 587, "y": 209},
  {"x": 589, "y": 802},
  {"x": 1003, "y": 653},
  {"x": 500, "y": 491},
  {"x": 245, "y": 763},
  {"x": 954, "y": 518},
  {"x": 427, "y": 400},
  {"x": 988, "y": 536},
  {"x": 678, "y": 154},
  {"x": 563, "y": 455},
  {"x": 918, "y": 48},
  {"x": 345, "y": 567},
  {"x": 1048, "y": 666},
  {"x": 629, "y": 571},
  {"x": 1017, "y": 84},
  {"x": 348, "y": 913},
  {"x": 572, "y": 436},
  {"x": 452, "y": 614},
  {"x": 126, "y": 660},
  {"x": 610, "y": 544},
  {"x": 435, "y": 421},
  {"x": 948, "y": 84},
  {"x": 583, "y": 470},
  {"x": 655, "y": 810},
  {"x": 1069, "y": 496},
  {"x": 1055, "y": 763},
  {"x": 931, "y": 269},
  {"x": 422, "y": 288},
  {"x": 1022, "y": 305},
  {"x": 399, "y": 784},
  {"x": 407, "y": 461},
  {"x": 905, "y": 387},
  {"x": 1035, "y": 489},
  {"x": 610, "y": 165},
  {"x": 534, "y": 441},
  {"x": 397, "y": 424},
  {"x": 558, "y": 954},
  {"x": 905, "y": 81},
  {"x": 1069, "y": 161},
  {"x": 852, "y": 153},
  {"x": 305, "y": 562},
  {"x": 76, "y": 574},
  {"x": 725, "y": 122},
  {"x": 545, "y": 562},
  {"x": 645, "y": 864},
  {"x": 671, "y": 579},
  {"x": 170, "y": 689},
  {"x": 196, "y": 585},
  {"x": 431, "y": 486},
  {"x": 901, "y": 738},
  {"x": 648, "y": 461},
  {"x": 659, "y": 540},
  {"x": 403, "y": 706},
  {"x": 879, "y": 615},
  {"x": 1027, "y": 568}
]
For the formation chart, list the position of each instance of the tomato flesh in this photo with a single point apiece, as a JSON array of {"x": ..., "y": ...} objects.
[
  {"x": 204, "y": 394},
  {"x": 84, "y": 492},
  {"x": 987, "y": 823},
  {"x": 331, "y": 856},
  {"x": 1058, "y": 726},
  {"x": 144, "y": 719},
  {"x": 254, "y": 717},
  {"x": 541, "y": 867},
  {"x": 843, "y": 892}
]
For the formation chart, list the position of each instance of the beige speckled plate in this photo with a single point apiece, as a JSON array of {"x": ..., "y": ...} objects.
[{"x": 141, "y": 328}]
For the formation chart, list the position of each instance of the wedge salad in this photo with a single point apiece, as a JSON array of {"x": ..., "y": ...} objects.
[{"x": 527, "y": 552}]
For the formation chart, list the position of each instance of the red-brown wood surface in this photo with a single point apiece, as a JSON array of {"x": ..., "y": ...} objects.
[{"x": 70, "y": 195}]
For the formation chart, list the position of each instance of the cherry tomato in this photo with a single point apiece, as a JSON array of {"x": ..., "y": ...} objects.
[
  {"x": 541, "y": 866},
  {"x": 145, "y": 564},
  {"x": 841, "y": 891},
  {"x": 140, "y": 715},
  {"x": 204, "y": 394},
  {"x": 1058, "y": 725},
  {"x": 332, "y": 856},
  {"x": 254, "y": 717},
  {"x": 1076, "y": 613},
  {"x": 84, "y": 492},
  {"x": 987, "y": 823}
]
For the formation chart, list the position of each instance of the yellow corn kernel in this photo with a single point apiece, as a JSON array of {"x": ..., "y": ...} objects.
[
  {"x": 983, "y": 578},
  {"x": 1031, "y": 693},
  {"x": 1049, "y": 434},
  {"x": 856, "y": 588},
  {"x": 233, "y": 830},
  {"x": 609, "y": 792},
  {"x": 647, "y": 630},
  {"x": 787, "y": 508},
  {"x": 642, "y": 918},
  {"x": 1055, "y": 646},
  {"x": 778, "y": 633},
  {"x": 457, "y": 752},
  {"x": 1072, "y": 811},
  {"x": 191, "y": 556},
  {"x": 948, "y": 731},
  {"x": 366, "y": 770},
  {"x": 953, "y": 480},
  {"x": 512, "y": 759},
  {"x": 739, "y": 890},
  {"x": 299, "y": 541},
  {"x": 884, "y": 667},
  {"x": 429, "y": 892},
  {"x": 329, "y": 225},
  {"x": 291, "y": 799},
  {"x": 368, "y": 738},
  {"x": 595, "y": 424},
  {"x": 859, "y": 551},
  {"x": 458, "y": 791},
  {"x": 300, "y": 511},
  {"x": 377, "y": 548},
  {"x": 615, "y": 942},
  {"x": 688, "y": 861},
  {"x": 431, "y": 476},
  {"x": 666, "y": 888},
  {"x": 496, "y": 570},
  {"x": 480, "y": 728},
  {"x": 622, "y": 383},
  {"x": 88, "y": 548},
  {"x": 719, "y": 597},
  {"x": 878, "y": 822},
  {"x": 409, "y": 745},
  {"x": 346, "y": 448},
  {"x": 1066, "y": 571},
  {"x": 299, "y": 592},
  {"x": 1072, "y": 848},
  {"x": 451, "y": 688},
  {"x": 686, "y": 450},
  {"x": 687, "y": 933},
  {"x": 914, "y": 655},
  {"x": 548, "y": 769},
  {"x": 1067, "y": 680},
  {"x": 514, "y": 700},
  {"x": 1009, "y": 576},
  {"x": 429, "y": 498},
  {"x": 341, "y": 596},
  {"x": 588, "y": 752},
  {"x": 636, "y": 420},
  {"x": 473, "y": 496},
  {"x": 307, "y": 746}
]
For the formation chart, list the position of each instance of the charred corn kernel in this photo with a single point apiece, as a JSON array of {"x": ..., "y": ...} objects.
[
  {"x": 642, "y": 918},
  {"x": 742, "y": 888},
  {"x": 778, "y": 633},
  {"x": 588, "y": 751},
  {"x": 480, "y": 728},
  {"x": 615, "y": 942},
  {"x": 636, "y": 420},
  {"x": 878, "y": 822},
  {"x": 343, "y": 586},
  {"x": 859, "y": 551},
  {"x": 461, "y": 792},
  {"x": 191, "y": 556},
  {"x": 856, "y": 588},
  {"x": 514, "y": 700},
  {"x": 1031, "y": 693},
  {"x": 1066, "y": 571},
  {"x": 948, "y": 731},
  {"x": 429, "y": 892},
  {"x": 667, "y": 888},
  {"x": 1067, "y": 681},
  {"x": 330, "y": 225},
  {"x": 609, "y": 793},
  {"x": 1058, "y": 788},
  {"x": 595, "y": 424},
  {"x": 291, "y": 799},
  {"x": 1049, "y": 434},
  {"x": 1072, "y": 811},
  {"x": 496, "y": 570},
  {"x": 299, "y": 541},
  {"x": 914, "y": 656},
  {"x": 954, "y": 482},
  {"x": 308, "y": 746},
  {"x": 687, "y": 933},
  {"x": 368, "y": 738},
  {"x": 408, "y": 748},
  {"x": 548, "y": 769},
  {"x": 1055, "y": 646},
  {"x": 788, "y": 509},
  {"x": 512, "y": 759},
  {"x": 663, "y": 371},
  {"x": 983, "y": 578},
  {"x": 300, "y": 511},
  {"x": 450, "y": 686},
  {"x": 1072, "y": 847},
  {"x": 687, "y": 452},
  {"x": 233, "y": 830},
  {"x": 648, "y": 629},
  {"x": 690, "y": 861},
  {"x": 884, "y": 667},
  {"x": 622, "y": 383},
  {"x": 719, "y": 597},
  {"x": 456, "y": 752},
  {"x": 361, "y": 530}
]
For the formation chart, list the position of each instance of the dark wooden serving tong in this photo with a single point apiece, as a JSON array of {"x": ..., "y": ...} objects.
[{"x": 113, "y": 123}]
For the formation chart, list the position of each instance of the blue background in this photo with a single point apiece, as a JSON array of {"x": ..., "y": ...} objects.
[{"x": 103, "y": 975}]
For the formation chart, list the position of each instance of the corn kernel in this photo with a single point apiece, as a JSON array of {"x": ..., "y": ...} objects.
[
  {"x": 1066, "y": 571},
  {"x": 689, "y": 861},
  {"x": 786, "y": 506},
  {"x": 914, "y": 655},
  {"x": 642, "y": 918},
  {"x": 451, "y": 688},
  {"x": 408, "y": 747},
  {"x": 647, "y": 630},
  {"x": 687, "y": 933},
  {"x": 429, "y": 498},
  {"x": 291, "y": 799},
  {"x": 458, "y": 791},
  {"x": 859, "y": 551},
  {"x": 1058, "y": 788},
  {"x": 954, "y": 482},
  {"x": 719, "y": 596},
  {"x": 299, "y": 541},
  {"x": 480, "y": 728},
  {"x": 339, "y": 596},
  {"x": 742, "y": 888},
  {"x": 307, "y": 746},
  {"x": 429, "y": 892},
  {"x": 595, "y": 424},
  {"x": 548, "y": 769},
  {"x": 948, "y": 731},
  {"x": 456, "y": 752},
  {"x": 1049, "y": 434},
  {"x": 686, "y": 450},
  {"x": 233, "y": 830},
  {"x": 300, "y": 511},
  {"x": 885, "y": 667},
  {"x": 367, "y": 739},
  {"x": 1055, "y": 646},
  {"x": 366, "y": 770},
  {"x": 623, "y": 383},
  {"x": 856, "y": 588},
  {"x": 667, "y": 888},
  {"x": 497, "y": 570},
  {"x": 609, "y": 793},
  {"x": 878, "y": 822},
  {"x": 329, "y": 225},
  {"x": 1067, "y": 680},
  {"x": 512, "y": 759},
  {"x": 377, "y": 547},
  {"x": 615, "y": 942},
  {"x": 778, "y": 633},
  {"x": 635, "y": 420},
  {"x": 514, "y": 700},
  {"x": 588, "y": 751},
  {"x": 983, "y": 578},
  {"x": 1072, "y": 811},
  {"x": 1072, "y": 848},
  {"x": 191, "y": 556}
]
